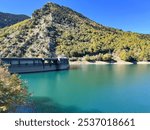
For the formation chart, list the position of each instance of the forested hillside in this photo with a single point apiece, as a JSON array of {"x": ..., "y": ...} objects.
[{"x": 58, "y": 30}]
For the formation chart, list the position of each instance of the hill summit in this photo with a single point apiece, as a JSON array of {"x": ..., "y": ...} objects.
[{"x": 57, "y": 30}]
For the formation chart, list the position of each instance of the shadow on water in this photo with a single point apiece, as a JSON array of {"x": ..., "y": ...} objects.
[
  {"x": 46, "y": 105},
  {"x": 75, "y": 67}
]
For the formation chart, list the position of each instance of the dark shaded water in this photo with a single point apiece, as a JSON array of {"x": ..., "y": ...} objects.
[{"x": 92, "y": 88}]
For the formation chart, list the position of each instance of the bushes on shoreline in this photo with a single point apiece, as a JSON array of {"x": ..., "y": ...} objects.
[
  {"x": 13, "y": 90},
  {"x": 101, "y": 57}
]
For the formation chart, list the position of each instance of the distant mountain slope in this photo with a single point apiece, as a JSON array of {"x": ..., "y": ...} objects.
[
  {"x": 7, "y": 19},
  {"x": 56, "y": 30}
]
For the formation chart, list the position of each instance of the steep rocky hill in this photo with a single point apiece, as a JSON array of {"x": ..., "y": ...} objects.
[
  {"x": 7, "y": 19},
  {"x": 56, "y": 30}
]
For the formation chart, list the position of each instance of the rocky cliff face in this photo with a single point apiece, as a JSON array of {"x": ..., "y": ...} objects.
[
  {"x": 56, "y": 30},
  {"x": 37, "y": 37}
]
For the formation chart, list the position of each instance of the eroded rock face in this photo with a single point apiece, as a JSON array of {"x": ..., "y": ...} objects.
[{"x": 37, "y": 36}]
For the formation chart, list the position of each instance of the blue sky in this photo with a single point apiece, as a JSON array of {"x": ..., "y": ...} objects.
[{"x": 129, "y": 15}]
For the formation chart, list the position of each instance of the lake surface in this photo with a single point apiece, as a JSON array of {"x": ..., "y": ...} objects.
[{"x": 92, "y": 88}]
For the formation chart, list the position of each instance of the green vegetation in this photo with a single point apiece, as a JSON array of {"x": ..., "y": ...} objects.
[
  {"x": 14, "y": 28},
  {"x": 100, "y": 57},
  {"x": 12, "y": 90},
  {"x": 90, "y": 41},
  {"x": 73, "y": 35}
]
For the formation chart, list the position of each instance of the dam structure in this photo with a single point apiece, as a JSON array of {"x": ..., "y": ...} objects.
[{"x": 31, "y": 65}]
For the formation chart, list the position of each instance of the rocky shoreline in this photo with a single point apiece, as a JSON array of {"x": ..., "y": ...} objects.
[{"x": 104, "y": 63}]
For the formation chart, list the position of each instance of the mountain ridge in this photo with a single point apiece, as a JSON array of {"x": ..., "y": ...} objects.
[
  {"x": 57, "y": 30},
  {"x": 8, "y": 19}
]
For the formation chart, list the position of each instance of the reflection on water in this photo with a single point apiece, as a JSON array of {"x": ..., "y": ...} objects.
[{"x": 92, "y": 88}]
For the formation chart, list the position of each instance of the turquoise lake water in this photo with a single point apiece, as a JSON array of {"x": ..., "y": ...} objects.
[{"x": 92, "y": 88}]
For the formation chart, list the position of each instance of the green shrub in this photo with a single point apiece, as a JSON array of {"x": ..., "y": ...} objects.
[
  {"x": 107, "y": 57},
  {"x": 12, "y": 90}
]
